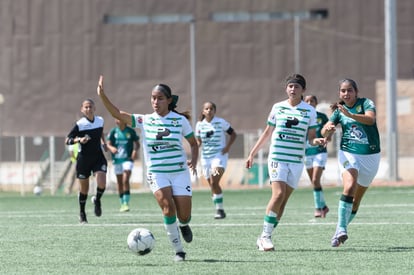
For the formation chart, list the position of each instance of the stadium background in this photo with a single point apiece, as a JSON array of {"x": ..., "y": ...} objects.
[{"x": 52, "y": 52}]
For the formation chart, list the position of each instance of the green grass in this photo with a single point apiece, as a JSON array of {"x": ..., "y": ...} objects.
[{"x": 41, "y": 235}]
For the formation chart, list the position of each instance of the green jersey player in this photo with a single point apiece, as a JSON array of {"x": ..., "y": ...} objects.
[{"x": 359, "y": 154}]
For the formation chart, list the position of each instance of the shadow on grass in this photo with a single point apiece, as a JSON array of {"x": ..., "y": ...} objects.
[
  {"x": 212, "y": 261},
  {"x": 352, "y": 249}
]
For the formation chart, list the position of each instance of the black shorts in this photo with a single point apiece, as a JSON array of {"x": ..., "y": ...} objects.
[{"x": 87, "y": 165}]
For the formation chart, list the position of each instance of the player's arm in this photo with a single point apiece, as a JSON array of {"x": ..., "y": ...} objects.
[
  {"x": 192, "y": 164},
  {"x": 260, "y": 142},
  {"x": 103, "y": 142},
  {"x": 230, "y": 140},
  {"x": 315, "y": 141},
  {"x": 328, "y": 129},
  {"x": 134, "y": 154},
  {"x": 111, "y": 147},
  {"x": 113, "y": 110}
]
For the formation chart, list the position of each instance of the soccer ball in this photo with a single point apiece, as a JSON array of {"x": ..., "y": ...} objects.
[
  {"x": 37, "y": 190},
  {"x": 140, "y": 241}
]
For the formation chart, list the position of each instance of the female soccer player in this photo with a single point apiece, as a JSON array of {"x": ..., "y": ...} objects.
[
  {"x": 315, "y": 161},
  {"x": 359, "y": 155},
  {"x": 289, "y": 125},
  {"x": 123, "y": 143},
  {"x": 167, "y": 165},
  {"x": 211, "y": 136},
  {"x": 88, "y": 132}
]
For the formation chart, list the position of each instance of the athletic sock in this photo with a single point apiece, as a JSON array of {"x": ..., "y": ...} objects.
[
  {"x": 127, "y": 196},
  {"x": 318, "y": 198},
  {"x": 121, "y": 198},
  {"x": 82, "y": 201},
  {"x": 218, "y": 201},
  {"x": 344, "y": 211},
  {"x": 269, "y": 224},
  {"x": 353, "y": 214},
  {"x": 170, "y": 224},
  {"x": 99, "y": 193}
]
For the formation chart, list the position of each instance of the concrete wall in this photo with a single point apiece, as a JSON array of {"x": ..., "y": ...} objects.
[{"x": 52, "y": 52}]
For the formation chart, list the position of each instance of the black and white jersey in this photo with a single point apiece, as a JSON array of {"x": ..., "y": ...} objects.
[{"x": 93, "y": 129}]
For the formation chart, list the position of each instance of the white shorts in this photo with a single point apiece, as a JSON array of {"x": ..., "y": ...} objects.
[
  {"x": 121, "y": 167},
  {"x": 208, "y": 165},
  {"x": 286, "y": 172},
  {"x": 318, "y": 160},
  {"x": 179, "y": 182},
  {"x": 367, "y": 165}
]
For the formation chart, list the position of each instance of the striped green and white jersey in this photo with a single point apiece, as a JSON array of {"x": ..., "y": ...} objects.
[
  {"x": 289, "y": 137},
  {"x": 162, "y": 141},
  {"x": 212, "y": 135},
  {"x": 358, "y": 138}
]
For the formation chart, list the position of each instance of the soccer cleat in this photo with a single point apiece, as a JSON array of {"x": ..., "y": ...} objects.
[
  {"x": 318, "y": 213},
  {"x": 187, "y": 233},
  {"x": 321, "y": 213},
  {"x": 338, "y": 238},
  {"x": 82, "y": 218},
  {"x": 179, "y": 257},
  {"x": 98, "y": 208},
  {"x": 265, "y": 244},
  {"x": 124, "y": 208},
  {"x": 324, "y": 211},
  {"x": 220, "y": 214}
]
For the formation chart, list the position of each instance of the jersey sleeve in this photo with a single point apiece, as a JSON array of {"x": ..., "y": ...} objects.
[
  {"x": 187, "y": 130},
  {"x": 197, "y": 129},
  {"x": 271, "y": 118},
  {"x": 369, "y": 105},
  {"x": 225, "y": 124}
]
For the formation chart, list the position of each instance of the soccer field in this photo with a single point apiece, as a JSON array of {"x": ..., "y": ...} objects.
[{"x": 41, "y": 235}]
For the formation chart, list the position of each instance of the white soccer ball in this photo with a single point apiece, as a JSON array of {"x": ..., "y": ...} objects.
[
  {"x": 37, "y": 190},
  {"x": 141, "y": 241}
]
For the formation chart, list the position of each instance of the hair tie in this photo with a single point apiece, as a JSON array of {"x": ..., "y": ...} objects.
[{"x": 173, "y": 103}]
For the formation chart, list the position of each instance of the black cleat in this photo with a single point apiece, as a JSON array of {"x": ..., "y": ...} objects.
[
  {"x": 98, "y": 208},
  {"x": 220, "y": 214},
  {"x": 187, "y": 233},
  {"x": 179, "y": 257},
  {"x": 82, "y": 218}
]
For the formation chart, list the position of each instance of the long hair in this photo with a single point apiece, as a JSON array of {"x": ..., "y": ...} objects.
[
  {"x": 166, "y": 90},
  {"x": 334, "y": 105}
]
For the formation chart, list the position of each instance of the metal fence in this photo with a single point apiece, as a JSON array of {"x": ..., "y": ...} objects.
[{"x": 26, "y": 162}]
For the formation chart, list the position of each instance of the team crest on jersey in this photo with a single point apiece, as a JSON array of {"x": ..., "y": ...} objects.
[
  {"x": 139, "y": 119},
  {"x": 128, "y": 135},
  {"x": 358, "y": 108},
  {"x": 174, "y": 122}
]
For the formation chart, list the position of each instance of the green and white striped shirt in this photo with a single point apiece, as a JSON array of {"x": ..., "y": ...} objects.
[
  {"x": 162, "y": 141},
  {"x": 289, "y": 137}
]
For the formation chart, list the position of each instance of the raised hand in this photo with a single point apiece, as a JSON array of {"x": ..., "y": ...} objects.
[{"x": 99, "y": 89}]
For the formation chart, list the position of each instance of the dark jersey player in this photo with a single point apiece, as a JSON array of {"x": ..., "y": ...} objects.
[{"x": 88, "y": 132}]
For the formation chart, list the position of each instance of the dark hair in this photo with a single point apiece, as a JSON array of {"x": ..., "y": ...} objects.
[
  {"x": 202, "y": 116},
  {"x": 166, "y": 90},
  {"x": 88, "y": 100},
  {"x": 296, "y": 78},
  {"x": 334, "y": 106},
  {"x": 313, "y": 97}
]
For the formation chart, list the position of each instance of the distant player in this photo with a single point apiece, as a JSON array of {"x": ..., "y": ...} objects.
[
  {"x": 88, "y": 132},
  {"x": 315, "y": 161},
  {"x": 123, "y": 143},
  {"x": 211, "y": 132}
]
